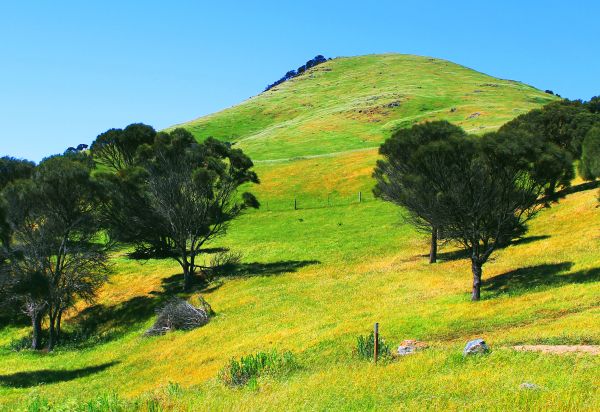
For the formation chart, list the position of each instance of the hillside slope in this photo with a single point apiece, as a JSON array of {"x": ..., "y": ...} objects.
[
  {"x": 312, "y": 280},
  {"x": 332, "y": 119},
  {"x": 353, "y": 103}
]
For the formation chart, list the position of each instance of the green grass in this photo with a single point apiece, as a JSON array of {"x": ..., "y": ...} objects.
[{"x": 314, "y": 279}]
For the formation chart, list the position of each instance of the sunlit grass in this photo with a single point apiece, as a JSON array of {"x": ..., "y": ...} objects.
[{"x": 356, "y": 265}]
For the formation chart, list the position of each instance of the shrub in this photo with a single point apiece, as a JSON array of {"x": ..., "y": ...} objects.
[
  {"x": 293, "y": 73},
  {"x": 178, "y": 314},
  {"x": 238, "y": 373},
  {"x": 365, "y": 347},
  {"x": 224, "y": 262}
]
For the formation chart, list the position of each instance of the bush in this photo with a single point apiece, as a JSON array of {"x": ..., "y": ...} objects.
[
  {"x": 224, "y": 262},
  {"x": 365, "y": 347},
  {"x": 238, "y": 373},
  {"x": 293, "y": 73},
  {"x": 178, "y": 314}
]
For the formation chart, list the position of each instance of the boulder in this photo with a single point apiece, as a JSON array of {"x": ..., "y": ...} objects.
[
  {"x": 476, "y": 347},
  {"x": 410, "y": 346},
  {"x": 178, "y": 314}
]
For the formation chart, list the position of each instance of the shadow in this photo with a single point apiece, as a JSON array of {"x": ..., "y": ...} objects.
[
  {"x": 528, "y": 239},
  {"x": 459, "y": 254},
  {"x": 48, "y": 376},
  {"x": 149, "y": 253},
  {"x": 101, "y": 323},
  {"x": 522, "y": 280},
  {"x": 264, "y": 269},
  {"x": 555, "y": 197}
]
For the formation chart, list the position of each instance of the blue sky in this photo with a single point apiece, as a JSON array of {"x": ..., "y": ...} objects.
[{"x": 71, "y": 69}]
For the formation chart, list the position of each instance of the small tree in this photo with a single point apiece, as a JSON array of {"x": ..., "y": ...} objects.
[
  {"x": 396, "y": 167},
  {"x": 56, "y": 258},
  {"x": 185, "y": 195}
]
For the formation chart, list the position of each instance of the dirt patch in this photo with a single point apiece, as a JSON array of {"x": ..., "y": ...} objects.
[{"x": 560, "y": 349}]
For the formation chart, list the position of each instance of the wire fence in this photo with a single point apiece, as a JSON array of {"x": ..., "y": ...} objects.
[{"x": 304, "y": 202}]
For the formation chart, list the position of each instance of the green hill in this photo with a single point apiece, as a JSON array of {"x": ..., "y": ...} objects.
[
  {"x": 335, "y": 116},
  {"x": 313, "y": 279}
]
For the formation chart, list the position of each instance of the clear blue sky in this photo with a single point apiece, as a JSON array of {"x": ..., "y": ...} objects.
[{"x": 72, "y": 69}]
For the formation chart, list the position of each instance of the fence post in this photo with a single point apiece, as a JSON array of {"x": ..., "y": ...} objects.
[
  {"x": 376, "y": 341},
  {"x": 295, "y": 204},
  {"x": 359, "y": 197}
]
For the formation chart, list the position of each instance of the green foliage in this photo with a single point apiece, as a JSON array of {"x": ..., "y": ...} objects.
[
  {"x": 559, "y": 129},
  {"x": 178, "y": 196},
  {"x": 589, "y": 167},
  {"x": 239, "y": 373},
  {"x": 116, "y": 148},
  {"x": 55, "y": 258},
  {"x": 365, "y": 347}
]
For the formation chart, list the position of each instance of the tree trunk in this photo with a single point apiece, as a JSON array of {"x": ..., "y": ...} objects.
[
  {"x": 36, "y": 323},
  {"x": 187, "y": 277},
  {"x": 58, "y": 322},
  {"x": 477, "y": 271},
  {"x": 433, "y": 248},
  {"x": 51, "y": 331}
]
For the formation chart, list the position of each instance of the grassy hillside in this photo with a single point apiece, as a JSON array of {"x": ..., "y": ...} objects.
[
  {"x": 314, "y": 279},
  {"x": 319, "y": 133}
]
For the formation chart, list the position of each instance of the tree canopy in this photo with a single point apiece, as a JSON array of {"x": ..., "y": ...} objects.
[{"x": 178, "y": 196}]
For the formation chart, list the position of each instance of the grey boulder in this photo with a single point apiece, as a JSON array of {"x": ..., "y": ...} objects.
[{"x": 476, "y": 347}]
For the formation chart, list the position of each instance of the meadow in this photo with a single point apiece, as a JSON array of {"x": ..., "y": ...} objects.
[{"x": 312, "y": 280}]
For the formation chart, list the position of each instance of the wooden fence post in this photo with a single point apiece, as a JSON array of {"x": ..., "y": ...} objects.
[
  {"x": 376, "y": 342},
  {"x": 359, "y": 197},
  {"x": 295, "y": 205}
]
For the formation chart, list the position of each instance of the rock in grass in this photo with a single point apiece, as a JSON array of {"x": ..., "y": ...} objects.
[
  {"x": 178, "y": 314},
  {"x": 529, "y": 385},
  {"x": 410, "y": 346},
  {"x": 476, "y": 347}
]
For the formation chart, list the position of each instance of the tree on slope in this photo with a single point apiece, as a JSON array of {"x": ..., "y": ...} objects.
[
  {"x": 189, "y": 194},
  {"x": 562, "y": 126},
  {"x": 396, "y": 167},
  {"x": 55, "y": 258},
  {"x": 116, "y": 148},
  {"x": 480, "y": 190}
]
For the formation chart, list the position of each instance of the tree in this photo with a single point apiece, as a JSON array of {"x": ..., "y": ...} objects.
[
  {"x": 562, "y": 125},
  {"x": 397, "y": 166},
  {"x": 480, "y": 190},
  {"x": 56, "y": 256},
  {"x": 589, "y": 167},
  {"x": 180, "y": 195},
  {"x": 116, "y": 148},
  {"x": 594, "y": 104}
]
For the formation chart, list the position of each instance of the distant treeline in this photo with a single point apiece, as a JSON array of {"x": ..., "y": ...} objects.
[{"x": 293, "y": 73}]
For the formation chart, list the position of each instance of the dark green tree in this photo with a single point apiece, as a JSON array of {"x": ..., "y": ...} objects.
[
  {"x": 178, "y": 196},
  {"x": 116, "y": 148},
  {"x": 562, "y": 126},
  {"x": 589, "y": 167},
  {"x": 397, "y": 166},
  {"x": 56, "y": 256},
  {"x": 480, "y": 190}
]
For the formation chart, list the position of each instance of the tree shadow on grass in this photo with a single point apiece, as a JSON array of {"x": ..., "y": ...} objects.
[
  {"x": 265, "y": 269},
  {"x": 211, "y": 282},
  {"x": 459, "y": 254},
  {"x": 47, "y": 376},
  {"x": 519, "y": 281},
  {"x": 101, "y": 323}
]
